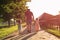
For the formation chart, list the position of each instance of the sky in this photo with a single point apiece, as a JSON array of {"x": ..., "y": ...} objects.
[{"x": 38, "y": 7}]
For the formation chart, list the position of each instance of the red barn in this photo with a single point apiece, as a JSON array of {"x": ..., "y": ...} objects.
[{"x": 49, "y": 21}]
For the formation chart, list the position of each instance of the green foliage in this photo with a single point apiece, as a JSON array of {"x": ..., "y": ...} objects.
[
  {"x": 1, "y": 19},
  {"x": 13, "y": 7},
  {"x": 5, "y": 2}
]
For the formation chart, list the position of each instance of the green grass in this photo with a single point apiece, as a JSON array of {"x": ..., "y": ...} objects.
[
  {"x": 6, "y": 31},
  {"x": 3, "y": 24},
  {"x": 55, "y": 32}
]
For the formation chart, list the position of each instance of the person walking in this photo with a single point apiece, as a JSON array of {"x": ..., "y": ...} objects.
[
  {"x": 29, "y": 18},
  {"x": 37, "y": 26}
]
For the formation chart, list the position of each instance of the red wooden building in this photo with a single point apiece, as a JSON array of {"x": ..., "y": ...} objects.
[{"x": 49, "y": 21}]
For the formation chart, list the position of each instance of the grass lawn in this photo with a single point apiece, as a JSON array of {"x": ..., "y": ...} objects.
[
  {"x": 3, "y": 24},
  {"x": 6, "y": 31},
  {"x": 55, "y": 32}
]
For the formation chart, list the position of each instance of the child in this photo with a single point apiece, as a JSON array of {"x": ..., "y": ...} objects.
[{"x": 37, "y": 26}]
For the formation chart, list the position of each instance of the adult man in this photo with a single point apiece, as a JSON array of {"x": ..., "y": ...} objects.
[{"x": 29, "y": 18}]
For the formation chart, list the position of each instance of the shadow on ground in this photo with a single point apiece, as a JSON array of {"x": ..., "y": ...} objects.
[
  {"x": 28, "y": 36},
  {"x": 24, "y": 33}
]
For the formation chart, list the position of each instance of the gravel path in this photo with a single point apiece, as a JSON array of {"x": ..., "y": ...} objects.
[{"x": 41, "y": 35}]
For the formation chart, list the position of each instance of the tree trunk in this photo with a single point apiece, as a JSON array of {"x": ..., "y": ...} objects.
[
  {"x": 14, "y": 22},
  {"x": 9, "y": 23}
]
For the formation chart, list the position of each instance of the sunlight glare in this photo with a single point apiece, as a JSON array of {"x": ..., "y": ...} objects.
[{"x": 38, "y": 7}]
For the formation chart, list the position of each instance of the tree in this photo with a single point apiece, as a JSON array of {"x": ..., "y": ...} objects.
[
  {"x": 5, "y": 11},
  {"x": 8, "y": 7},
  {"x": 11, "y": 8}
]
